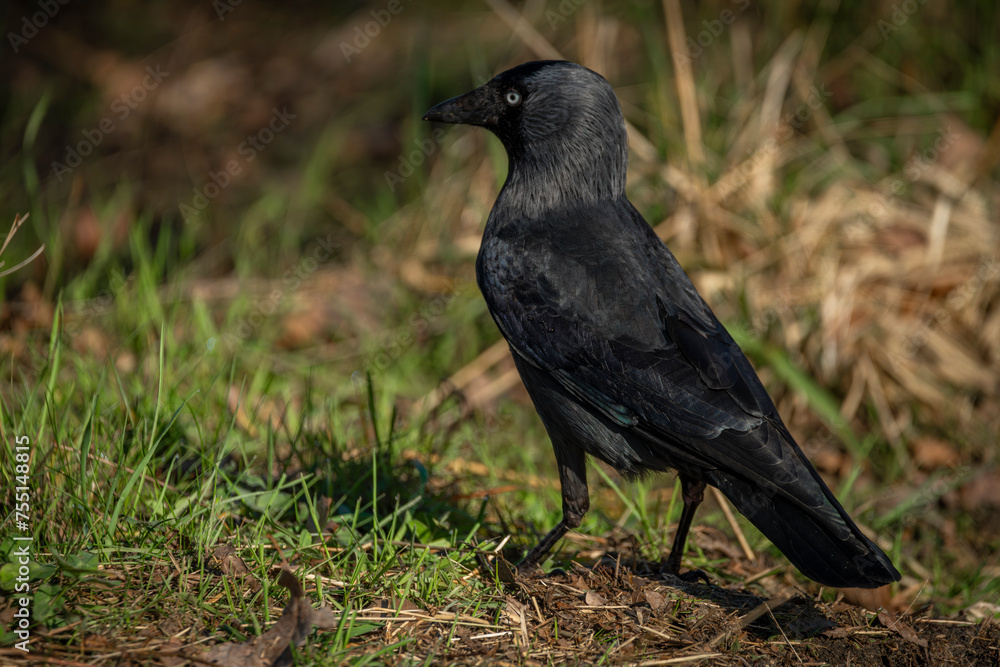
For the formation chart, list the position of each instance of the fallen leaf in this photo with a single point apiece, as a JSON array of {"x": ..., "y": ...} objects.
[
  {"x": 981, "y": 610},
  {"x": 931, "y": 454},
  {"x": 838, "y": 632},
  {"x": 981, "y": 492},
  {"x": 91, "y": 341},
  {"x": 896, "y": 624},
  {"x": 95, "y": 642},
  {"x": 86, "y": 232},
  {"x": 829, "y": 460},
  {"x": 655, "y": 600},
  {"x": 225, "y": 558},
  {"x": 272, "y": 649}
]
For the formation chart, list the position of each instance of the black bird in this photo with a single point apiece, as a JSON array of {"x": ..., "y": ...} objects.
[{"x": 622, "y": 357}]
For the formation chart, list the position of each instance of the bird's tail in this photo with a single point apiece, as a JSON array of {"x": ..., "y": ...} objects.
[{"x": 822, "y": 541}]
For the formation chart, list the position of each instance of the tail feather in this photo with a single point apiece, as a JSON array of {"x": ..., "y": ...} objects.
[{"x": 816, "y": 542}]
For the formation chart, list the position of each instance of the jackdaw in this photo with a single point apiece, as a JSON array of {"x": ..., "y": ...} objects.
[{"x": 621, "y": 356}]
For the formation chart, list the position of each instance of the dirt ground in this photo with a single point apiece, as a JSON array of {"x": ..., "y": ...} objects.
[{"x": 613, "y": 613}]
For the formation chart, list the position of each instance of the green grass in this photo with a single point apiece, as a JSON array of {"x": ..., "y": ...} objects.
[
  {"x": 165, "y": 422},
  {"x": 137, "y": 477},
  {"x": 142, "y": 466},
  {"x": 149, "y": 492}
]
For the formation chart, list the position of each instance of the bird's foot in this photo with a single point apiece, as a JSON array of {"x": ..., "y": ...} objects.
[
  {"x": 527, "y": 566},
  {"x": 531, "y": 563},
  {"x": 691, "y": 576}
]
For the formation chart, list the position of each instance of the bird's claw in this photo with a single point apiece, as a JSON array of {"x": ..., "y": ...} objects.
[
  {"x": 527, "y": 566},
  {"x": 692, "y": 576}
]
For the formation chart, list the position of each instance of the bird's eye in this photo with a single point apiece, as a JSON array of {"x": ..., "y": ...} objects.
[{"x": 513, "y": 98}]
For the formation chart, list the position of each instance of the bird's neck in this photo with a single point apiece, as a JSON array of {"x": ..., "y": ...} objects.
[{"x": 539, "y": 183}]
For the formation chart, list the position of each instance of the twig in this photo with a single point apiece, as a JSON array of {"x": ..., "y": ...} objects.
[
  {"x": 18, "y": 221},
  {"x": 731, "y": 518}
]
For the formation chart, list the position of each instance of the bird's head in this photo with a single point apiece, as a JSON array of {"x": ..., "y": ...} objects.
[{"x": 560, "y": 122}]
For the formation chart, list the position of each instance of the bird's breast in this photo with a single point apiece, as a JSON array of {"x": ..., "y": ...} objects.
[{"x": 540, "y": 283}]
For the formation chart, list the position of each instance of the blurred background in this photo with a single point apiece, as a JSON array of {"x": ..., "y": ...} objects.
[{"x": 248, "y": 231}]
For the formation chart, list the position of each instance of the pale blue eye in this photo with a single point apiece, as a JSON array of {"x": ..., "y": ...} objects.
[{"x": 513, "y": 98}]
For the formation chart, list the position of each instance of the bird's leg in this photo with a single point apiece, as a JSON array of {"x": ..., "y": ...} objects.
[
  {"x": 575, "y": 499},
  {"x": 692, "y": 492}
]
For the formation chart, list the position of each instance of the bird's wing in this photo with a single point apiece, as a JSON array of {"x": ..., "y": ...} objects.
[{"x": 616, "y": 321}]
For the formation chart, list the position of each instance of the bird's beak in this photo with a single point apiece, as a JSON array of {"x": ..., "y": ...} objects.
[{"x": 473, "y": 108}]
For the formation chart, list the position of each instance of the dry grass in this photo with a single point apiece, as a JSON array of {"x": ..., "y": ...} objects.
[
  {"x": 886, "y": 291},
  {"x": 852, "y": 253}
]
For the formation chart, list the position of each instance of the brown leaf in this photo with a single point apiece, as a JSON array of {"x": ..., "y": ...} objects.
[
  {"x": 838, "y": 632},
  {"x": 271, "y": 649},
  {"x": 982, "y": 610},
  {"x": 655, "y": 600},
  {"x": 96, "y": 642},
  {"x": 931, "y": 454},
  {"x": 828, "y": 459},
  {"x": 892, "y": 622},
  {"x": 592, "y": 599},
  {"x": 170, "y": 653},
  {"x": 301, "y": 328},
  {"x": 86, "y": 233},
  {"x": 393, "y": 605},
  {"x": 237, "y": 401},
  {"x": 92, "y": 342},
  {"x": 981, "y": 492},
  {"x": 230, "y": 564},
  {"x": 516, "y": 614},
  {"x": 497, "y": 568},
  {"x": 578, "y": 583}
]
